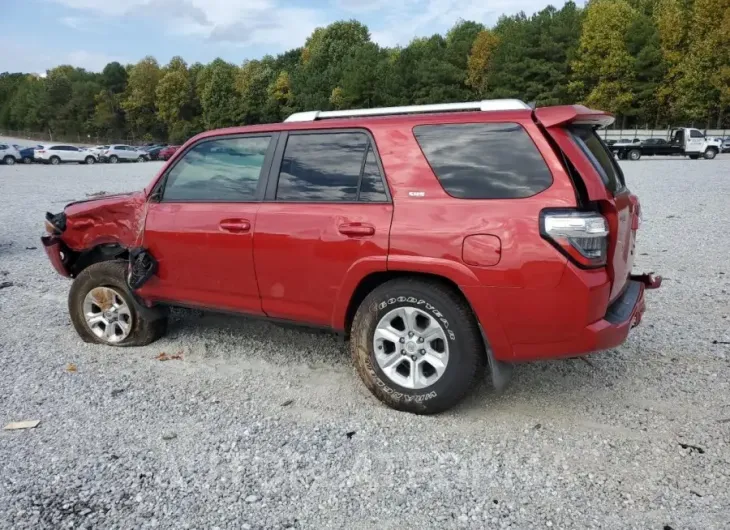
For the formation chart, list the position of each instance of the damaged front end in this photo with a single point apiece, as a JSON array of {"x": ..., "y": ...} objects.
[{"x": 103, "y": 229}]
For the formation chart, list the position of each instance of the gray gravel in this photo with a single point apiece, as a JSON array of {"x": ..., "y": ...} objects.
[{"x": 264, "y": 427}]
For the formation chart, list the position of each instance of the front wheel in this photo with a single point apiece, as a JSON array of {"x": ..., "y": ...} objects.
[
  {"x": 9, "y": 160},
  {"x": 90, "y": 160},
  {"x": 141, "y": 159},
  {"x": 103, "y": 309},
  {"x": 113, "y": 159},
  {"x": 710, "y": 154},
  {"x": 634, "y": 154},
  {"x": 27, "y": 160},
  {"x": 416, "y": 345},
  {"x": 55, "y": 160},
  {"x": 693, "y": 157}
]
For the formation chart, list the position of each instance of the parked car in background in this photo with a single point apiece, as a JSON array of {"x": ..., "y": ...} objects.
[
  {"x": 438, "y": 238},
  {"x": 124, "y": 153},
  {"x": 167, "y": 152},
  {"x": 9, "y": 154},
  {"x": 726, "y": 145},
  {"x": 27, "y": 154},
  {"x": 154, "y": 152},
  {"x": 97, "y": 150},
  {"x": 61, "y": 153}
]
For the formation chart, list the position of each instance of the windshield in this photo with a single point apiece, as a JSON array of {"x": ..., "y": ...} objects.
[{"x": 600, "y": 157}]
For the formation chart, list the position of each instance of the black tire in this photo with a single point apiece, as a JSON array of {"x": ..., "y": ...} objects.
[
  {"x": 54, "y": 160},
  {"x": 634, "y": 154},
  {"x": 27, "y": 160},
  {"x": 9, "y": 160},
  {"x": 141, "y": 159},
  {"x": 710, "y": 153},
  {"x": 465, "y": 345},
  {"x": 693, "y": 157},
  {"x": 148, "y": 324},
  {"x": 113, "y": 159},
  {"x": 90, "y": 160}
]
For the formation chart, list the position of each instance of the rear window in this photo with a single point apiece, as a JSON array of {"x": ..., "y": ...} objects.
[
  {"x": 600, "y": 157},
  {"x": 484, "y": 160}
]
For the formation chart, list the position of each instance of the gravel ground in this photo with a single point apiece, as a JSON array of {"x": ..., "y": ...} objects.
[{"x": 264, "y": 427}]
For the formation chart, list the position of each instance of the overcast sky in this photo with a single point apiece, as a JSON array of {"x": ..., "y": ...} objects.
[{"x": 38, "y": 34}]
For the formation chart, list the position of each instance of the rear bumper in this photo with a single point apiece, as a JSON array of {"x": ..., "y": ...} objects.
[
  {"x": 57, "y": 254},
  {"x": 604, "y": 331},
  {"x": 610, "y": 331}
]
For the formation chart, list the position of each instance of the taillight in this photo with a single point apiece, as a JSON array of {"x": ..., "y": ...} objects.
[
  {"x": 40, "y": 151},
  {"x": 582, "y": 236}
]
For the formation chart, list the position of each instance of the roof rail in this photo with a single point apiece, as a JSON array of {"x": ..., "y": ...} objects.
[{"x": 484, "y": 105}]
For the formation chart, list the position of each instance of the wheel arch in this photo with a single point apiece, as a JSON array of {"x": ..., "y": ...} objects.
[
  {"x": 98, "y": 253},
  {"x": 374, "y": 279}
]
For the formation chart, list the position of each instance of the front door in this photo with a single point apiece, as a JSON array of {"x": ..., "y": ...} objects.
[
  {"x": 327, "y": 212},
  {"x": 695, "y": 141},
  {"x": 201, "y": 227}
]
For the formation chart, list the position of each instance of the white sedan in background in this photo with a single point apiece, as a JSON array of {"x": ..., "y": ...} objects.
[{"x": 60, "y": 153}]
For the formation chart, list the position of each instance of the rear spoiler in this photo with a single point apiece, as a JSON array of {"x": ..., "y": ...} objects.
[{"x": 576, "y": 114}]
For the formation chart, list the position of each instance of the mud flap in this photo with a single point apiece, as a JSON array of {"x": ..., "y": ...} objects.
[
  {"x": 142, "y": 266},
  {"x": 501, "y": 372}
]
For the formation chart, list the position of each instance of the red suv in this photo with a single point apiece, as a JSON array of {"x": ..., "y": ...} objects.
[{"x": 438, "y": 238}]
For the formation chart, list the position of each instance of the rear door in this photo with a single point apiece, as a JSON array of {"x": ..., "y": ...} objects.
[
  {"x": 200, "y": 228},
  {"x": 327, "y": 212},
  {"x": 620, "y": 207},
  {"x": 574, "y": 130}
]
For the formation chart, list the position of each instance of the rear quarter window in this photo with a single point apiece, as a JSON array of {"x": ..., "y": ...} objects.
[
  {"x": 599, "y": 155},
  {"x": 484, "y": 160}
]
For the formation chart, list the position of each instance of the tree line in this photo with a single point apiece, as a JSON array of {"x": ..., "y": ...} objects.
[{"x": 651, "y": 62}]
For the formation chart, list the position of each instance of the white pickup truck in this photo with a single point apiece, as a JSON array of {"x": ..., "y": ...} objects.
[{"x": 683, "y": 141}]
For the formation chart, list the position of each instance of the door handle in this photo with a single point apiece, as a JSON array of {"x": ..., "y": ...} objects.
[
  {"x": 356, "y": 229},
  {"x": 238, "y": 226}
]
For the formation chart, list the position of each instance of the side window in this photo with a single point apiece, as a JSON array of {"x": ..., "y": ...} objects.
[
  {"x": 3, "y": 146},
  {"x": 57, "y": 148},
  {"x": 321, "y": 167},
  {"x": 484, "y": 160},
  {"x": 218, "y": 170},
  {"x": 372, "y": 188},
  {"x": 696, "y": 134}
]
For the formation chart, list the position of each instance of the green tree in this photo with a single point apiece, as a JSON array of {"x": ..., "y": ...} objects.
[
  {"x": 114, "y": 78},
  {"x": 322, "y": 58},
  {"x": 219, "y": 98},
  {"x": 604, "y": 68},
  {"x": 140, "y": 95},
  {"x": 701, "y": 83}
]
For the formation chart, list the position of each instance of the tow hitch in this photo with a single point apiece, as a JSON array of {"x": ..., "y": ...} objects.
[{"x": 649, "y": 280}]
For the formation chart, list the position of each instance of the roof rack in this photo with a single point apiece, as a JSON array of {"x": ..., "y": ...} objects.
[{"x": 484, "y": 105}]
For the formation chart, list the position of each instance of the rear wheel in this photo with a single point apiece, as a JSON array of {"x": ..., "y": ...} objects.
[
  {"x": 55, "y": 160},
  {"x": 634, "y": 154},
  {"x": 416, "y": 345},
  {"x": 9, "y": 160},
  {"x": 103, "y": 309},
  {"x": 141, "y": 159},
  {"x": 27, "y": 160},
  {"x": 710, "y": 153},
  {"x": 694, "y": 157},
  {"x": 113, "y": 159}
]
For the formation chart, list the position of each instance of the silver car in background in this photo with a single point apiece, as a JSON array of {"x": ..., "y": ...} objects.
[
  {"x": 9, "y": 154},
  {"x": 124, "y": 153}
]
